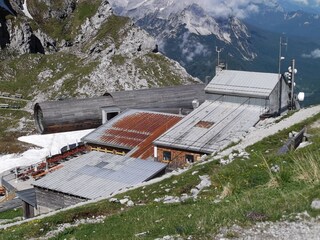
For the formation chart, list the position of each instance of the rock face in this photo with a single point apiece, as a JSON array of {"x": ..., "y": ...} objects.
[
  {"x": 189, "y": 31},
  {"x": 86, "y": 49}
]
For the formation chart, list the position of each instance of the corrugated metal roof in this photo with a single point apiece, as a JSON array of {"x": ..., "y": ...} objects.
[
  {"x": 28, "y": 196},
  {"x": 130, "y": 128},
  {"x": 227, "y": 121},
  {"x": 250, "y": 84},
  {"x": 87, "y": 177}
]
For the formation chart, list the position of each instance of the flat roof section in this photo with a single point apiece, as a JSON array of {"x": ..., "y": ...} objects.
[
  {"x": 241, "y": 83},
  {"x": 98, "y": 174},
  {"x": 131, "y": 128},
  {"x": 211, "y": 127},
  {"x": 28, "y": 196}
]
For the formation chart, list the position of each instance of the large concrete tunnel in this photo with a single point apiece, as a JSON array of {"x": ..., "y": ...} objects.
[{"x": 79, "y": 114}]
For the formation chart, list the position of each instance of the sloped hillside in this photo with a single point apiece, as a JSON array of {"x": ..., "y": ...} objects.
[
  {"x": 56, "y": 49},
  {"x": 78, "y": 48}
]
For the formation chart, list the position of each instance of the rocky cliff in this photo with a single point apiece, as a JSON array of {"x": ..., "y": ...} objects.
[{"x": 62, "y": 48}]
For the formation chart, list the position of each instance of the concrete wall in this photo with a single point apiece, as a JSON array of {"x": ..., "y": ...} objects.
[
  {"x": 275, "y": 98},
  {"x": 178, "y": 157},
  {"x": 48, "y": 200},
  {"x": 238, "y": 99},
  {"x": 28, "y": 210}
]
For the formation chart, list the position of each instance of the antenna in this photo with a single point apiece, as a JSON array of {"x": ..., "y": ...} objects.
[
  {"x": 282, "y": 43},
  {"x": 219, "y": 51}
]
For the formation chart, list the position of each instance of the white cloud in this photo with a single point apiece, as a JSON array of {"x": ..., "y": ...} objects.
[
  {"x": 237, "y": 8},
  {"x": 218, "y": 8},
  {"x": 314, "y": 54},
  {"x": 305, "y": 2},
  {"x": 191, "y": 49}
]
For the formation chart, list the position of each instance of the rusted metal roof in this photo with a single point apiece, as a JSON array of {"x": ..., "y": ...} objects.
[{"x": 131, "y": 128}]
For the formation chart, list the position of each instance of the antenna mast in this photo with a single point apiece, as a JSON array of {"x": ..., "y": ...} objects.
[
  {"x": 218, "y": 51},
  {"x": 280, "y": 53}
]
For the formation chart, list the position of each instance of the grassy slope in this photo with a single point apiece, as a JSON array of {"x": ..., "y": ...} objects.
[
  {"x": 9, "y": 123},
  {"x": 65, "y": 27},
  {"x": 245, "y": 186},
  {"x": 11, "y": 214},
  {"x": 20, "y": 74}
]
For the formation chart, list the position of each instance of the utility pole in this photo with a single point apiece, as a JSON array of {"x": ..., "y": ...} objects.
[
  {"x": 293, "y": 72},
  {"x": 279, "y": 72}
]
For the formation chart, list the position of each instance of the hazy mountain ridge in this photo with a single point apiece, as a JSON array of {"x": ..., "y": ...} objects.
[
  {"x": 246, "y": 32},
  {"x": 188, "y": 15}
]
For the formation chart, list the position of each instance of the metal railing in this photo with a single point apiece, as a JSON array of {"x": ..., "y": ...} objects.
[
  {"x": 293, "y": 142},
  {"x": 7, "y": 186}
]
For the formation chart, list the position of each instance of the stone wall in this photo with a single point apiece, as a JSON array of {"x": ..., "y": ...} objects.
[{"x": 48, "y": 200}]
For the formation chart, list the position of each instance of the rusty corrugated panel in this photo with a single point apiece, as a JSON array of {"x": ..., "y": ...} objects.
[
  {"x": 145, "y": 148},
  {"x": 131, "y": 128}
]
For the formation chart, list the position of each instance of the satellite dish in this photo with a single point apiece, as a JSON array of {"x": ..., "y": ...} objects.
[
  {"x": 301, "y": 96},
  {"x": 195, "y": 103}
]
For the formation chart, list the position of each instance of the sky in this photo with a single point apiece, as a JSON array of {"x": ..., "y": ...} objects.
[{"x": 3, "y": 5}]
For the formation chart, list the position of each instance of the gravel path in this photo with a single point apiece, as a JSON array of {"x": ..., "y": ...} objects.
[
  {"x": 269, "y": 127},
  {"x": 308, "y": 229},
  {"x": 264, "y": 131}
]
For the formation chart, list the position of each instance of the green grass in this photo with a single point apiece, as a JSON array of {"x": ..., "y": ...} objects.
[
  {"x": 115, "y": 28},
  {"x": 63, "y": 27},
  {"x": 241, "y": 187},
  {"x": 118, "y": 59},
  {"x": 25, "y": 80},
  {"x": 112, "y": 31},
  {"x": 156, "y": 67},
  {"x": 9, "y": 120},
  {"x": 11, "y": 214}
]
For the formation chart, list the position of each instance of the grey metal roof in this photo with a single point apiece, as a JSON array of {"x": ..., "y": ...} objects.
[
  {"x": 211, "y": 127},
  {"x": 250, "y": 84},
  {"x": 98, "y": 174},
  {"x": 28, "y": 196}
]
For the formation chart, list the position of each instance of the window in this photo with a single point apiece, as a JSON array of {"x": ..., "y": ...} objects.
[
  {"x": 204, "y": 124},
  {"x": 166, "y": 156},
  {"x": 189, "y": 158},
  {"x": 111, "y": 115}
]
